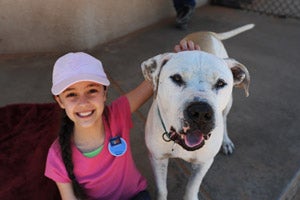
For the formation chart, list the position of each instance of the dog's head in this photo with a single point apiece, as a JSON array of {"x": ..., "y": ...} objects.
[{"x": 192, "y": 89}]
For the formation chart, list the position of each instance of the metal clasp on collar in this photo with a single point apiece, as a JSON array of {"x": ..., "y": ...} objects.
[{"x": 166, "y": 137}]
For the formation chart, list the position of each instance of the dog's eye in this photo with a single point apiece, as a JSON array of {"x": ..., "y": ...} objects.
[
  {"x": 176, "y": 78},
  {"x": 220, "y": 84}
]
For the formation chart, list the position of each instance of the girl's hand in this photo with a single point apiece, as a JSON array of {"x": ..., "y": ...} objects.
[{"x": 186, "y": 45}]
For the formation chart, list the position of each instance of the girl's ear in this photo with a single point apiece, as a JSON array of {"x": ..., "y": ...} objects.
[
  {"x": 105, "y": 94},
  {"x": 58, "y": 100},
  {"x": 105, "y": 88}
]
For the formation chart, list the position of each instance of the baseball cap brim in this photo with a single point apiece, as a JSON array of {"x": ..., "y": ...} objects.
[{"x": 61, "y": 86}]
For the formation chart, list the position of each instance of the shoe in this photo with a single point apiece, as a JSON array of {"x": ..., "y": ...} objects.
[
  {"x": 182, "y": 26},
  {"x": 183, "y": 16}
]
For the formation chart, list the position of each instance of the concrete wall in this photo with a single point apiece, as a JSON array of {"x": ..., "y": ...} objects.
[{"x": 28, "y": 26}]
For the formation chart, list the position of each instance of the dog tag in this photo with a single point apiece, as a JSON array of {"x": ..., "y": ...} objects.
[{"x": 117, "y": 146}]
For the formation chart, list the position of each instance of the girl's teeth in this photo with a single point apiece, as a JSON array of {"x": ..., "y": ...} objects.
[{"x": 84, "y": 114}]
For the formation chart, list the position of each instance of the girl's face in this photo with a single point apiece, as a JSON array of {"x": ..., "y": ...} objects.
[{"x": 83, "y": 103}]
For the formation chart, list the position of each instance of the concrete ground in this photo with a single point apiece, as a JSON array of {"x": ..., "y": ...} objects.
[{"x": 264, "y": 127}]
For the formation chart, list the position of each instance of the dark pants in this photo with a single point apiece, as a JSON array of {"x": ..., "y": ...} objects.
[
  {"x": 143, "y": 195},
  {"x": 179, "y": 4}
]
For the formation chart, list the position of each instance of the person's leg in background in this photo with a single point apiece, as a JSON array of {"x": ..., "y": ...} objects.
[{"x": 184, "y": 10}]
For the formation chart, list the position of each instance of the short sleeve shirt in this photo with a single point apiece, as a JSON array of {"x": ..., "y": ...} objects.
[{"x": 104, "y": 176}]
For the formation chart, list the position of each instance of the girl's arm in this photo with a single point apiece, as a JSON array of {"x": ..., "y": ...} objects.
[
  {"x": 138, "y": 96},
  {"x": 66, "y": 191}
]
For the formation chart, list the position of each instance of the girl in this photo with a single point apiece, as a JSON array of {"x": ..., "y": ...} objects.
[{"x": 91, "y": 158}]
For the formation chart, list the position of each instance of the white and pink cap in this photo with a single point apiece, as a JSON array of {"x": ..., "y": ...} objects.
[{"x": 75, "y": 67}]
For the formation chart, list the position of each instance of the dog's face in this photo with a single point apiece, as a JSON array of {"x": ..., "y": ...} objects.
[{"x": 192, "y": 88}]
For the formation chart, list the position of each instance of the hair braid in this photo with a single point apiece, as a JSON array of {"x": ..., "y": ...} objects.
[{"x": 66, "y": 152}]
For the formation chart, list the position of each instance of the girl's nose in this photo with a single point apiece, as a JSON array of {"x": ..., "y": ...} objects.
[{"x": 83, "y": 100}]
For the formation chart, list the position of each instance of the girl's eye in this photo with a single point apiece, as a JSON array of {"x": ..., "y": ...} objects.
[
  {"x": 92, "y": 91},
  {"x": 70, "y": 95}
]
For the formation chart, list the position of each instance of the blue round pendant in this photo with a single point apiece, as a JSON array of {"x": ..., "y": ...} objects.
[{"x": 117, "y": 146}]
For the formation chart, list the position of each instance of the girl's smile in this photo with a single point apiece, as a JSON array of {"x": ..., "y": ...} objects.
[{"x": 85, "y": 114}]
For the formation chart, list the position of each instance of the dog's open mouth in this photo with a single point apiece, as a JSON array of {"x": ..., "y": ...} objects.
[
  {"x": 193, "y": 138},
  {"x": 189, "y": 139}
]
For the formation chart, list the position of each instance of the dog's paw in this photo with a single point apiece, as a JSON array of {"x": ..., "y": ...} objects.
[{"x": 227, "y": 147}]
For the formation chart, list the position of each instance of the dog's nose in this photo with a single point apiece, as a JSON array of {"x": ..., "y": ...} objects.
[{"x": 200, "y": 113}]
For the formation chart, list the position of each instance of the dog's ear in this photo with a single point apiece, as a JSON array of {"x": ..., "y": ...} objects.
[
  {"x": 151, "y": 68},
  {"x": 240, "y": 74}
]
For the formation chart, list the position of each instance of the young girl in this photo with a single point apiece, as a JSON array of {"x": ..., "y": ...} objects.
[{"x": 91, "y": 158}]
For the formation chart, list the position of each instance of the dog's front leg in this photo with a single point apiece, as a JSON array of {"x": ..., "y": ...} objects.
[
  {"x": 227, "y": 144},
  {"x": 193, "y": 186},
  {"x": 160, "y": 168}
]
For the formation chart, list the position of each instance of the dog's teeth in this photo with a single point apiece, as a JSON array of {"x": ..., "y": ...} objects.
[
  {"x": 185, "y": 129},
  {"x": 206, "y": 137},
  {"x": 185, "y": 124}
]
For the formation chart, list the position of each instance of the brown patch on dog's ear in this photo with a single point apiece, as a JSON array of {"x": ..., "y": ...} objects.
[
  {"x": 151, "y": 68},
  {"x": 241, "y": 76}
]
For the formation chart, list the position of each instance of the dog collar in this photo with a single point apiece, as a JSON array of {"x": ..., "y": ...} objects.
[
  {"x": 166, "y": 133},
  {"x": 167, "y": 136}
]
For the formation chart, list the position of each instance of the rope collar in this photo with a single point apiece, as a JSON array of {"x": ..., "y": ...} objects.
[{"x": 168, "y": 136}]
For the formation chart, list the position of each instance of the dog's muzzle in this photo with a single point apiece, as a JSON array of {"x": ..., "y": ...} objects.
[{"x": 197, "y": 126}]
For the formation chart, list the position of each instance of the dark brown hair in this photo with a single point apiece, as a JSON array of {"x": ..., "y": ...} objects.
[{"x": 65, "y": 134}]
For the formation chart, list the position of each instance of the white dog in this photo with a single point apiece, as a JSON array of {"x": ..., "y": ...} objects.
[{"x": 192, "y": 97}]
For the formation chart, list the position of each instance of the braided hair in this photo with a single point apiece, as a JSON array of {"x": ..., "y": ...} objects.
[{"x": 65, "y": 134}]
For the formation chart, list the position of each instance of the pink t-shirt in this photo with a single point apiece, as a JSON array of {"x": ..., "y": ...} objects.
[{"x": 103, "y": 176}]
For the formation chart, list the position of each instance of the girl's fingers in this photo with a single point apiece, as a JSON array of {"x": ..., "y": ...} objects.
[
  {"x": 191, "y": 45},
  {"x": 177, "y": 48},
  {"x": 185, "y": 45},
  {"x": 197, "y": 47}
]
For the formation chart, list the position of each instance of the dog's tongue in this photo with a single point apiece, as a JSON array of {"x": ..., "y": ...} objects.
[{"x": 193, "y": 138}]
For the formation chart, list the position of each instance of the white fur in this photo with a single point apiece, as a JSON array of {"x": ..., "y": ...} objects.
[{"x": 200, "y": 72}]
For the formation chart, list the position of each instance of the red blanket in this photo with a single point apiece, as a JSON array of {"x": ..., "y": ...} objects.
[{"x": 26, "y": 133}]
